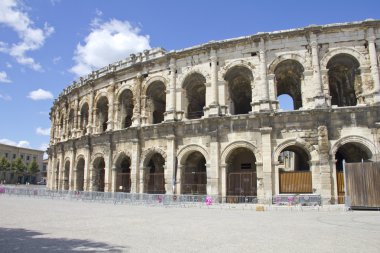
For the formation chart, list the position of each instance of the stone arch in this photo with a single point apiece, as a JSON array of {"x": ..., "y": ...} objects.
[
  {"x": 194, "y": 95},
  {"x": 79, "y": 174},
  {"x": 102, "y": 109},
  {"x": 120, "y": 155},
  {"x": 80, "y": 156},
  {"x": 147, "y": 154},
  {"x": 96, "y": 156},
  {"x": 126, "y": 104},
  {"x": 237, "y": 63},
  {"x": 155, "y": 99},
  {"x": 66, "y": 173},
  {"x": 345, "y": 50},
  {"x": 122, "y": 171},
  {"x": 240, "y": 144},
  {"x": 99, "y": 95},
  {"x": 82, "y": 101},
  {"x": 366, "y": 144},
  {"x": 122, "y": 88},
  {"x": 298, "y": 142},
  {"x": 194, "y": 70},
  {"x": 151, "y": 79},
  {"x": 184, "y": 152},
  {"x": 288, "y": 56}
]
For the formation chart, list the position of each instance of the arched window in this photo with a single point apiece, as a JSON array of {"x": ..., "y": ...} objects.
[
  {"x": 126, "y": 108},
  {"x": 344, "y": 80},
  {"x": 289, "y": 75},
  {"x": 102, "y": 114},
  {"x": 195, "y": 99},
  {"x": 84, "y": 118},
  {"x": 240, "y": 91},
  {"x": 156, "y": 102}
]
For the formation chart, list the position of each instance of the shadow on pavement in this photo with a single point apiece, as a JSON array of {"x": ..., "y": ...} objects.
[{"x": 22, "y": 240}]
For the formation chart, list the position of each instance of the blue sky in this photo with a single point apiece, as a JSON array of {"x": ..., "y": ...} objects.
[{"x": 46, "y": 44}]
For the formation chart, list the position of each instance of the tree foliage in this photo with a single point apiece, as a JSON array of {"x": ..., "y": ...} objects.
[
  {"x": 18, "y": 166},
  {"x": 33, "y": 167},
  {"x": 4, "y": 164}
]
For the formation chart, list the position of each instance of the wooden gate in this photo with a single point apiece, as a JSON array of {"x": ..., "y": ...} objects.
[
  {"x": 242, "y": 184},
  {"x": 194, "y": 183},
  {"x": 363, "y": 184},
  {"x": 155, "y": 183},
  {"x": 295, "y": 182},
  {"x": 340, "y": 186}
]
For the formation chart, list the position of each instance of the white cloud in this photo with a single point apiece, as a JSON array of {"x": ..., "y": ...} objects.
[
  {"x": 24, "y": 144},
  {"x": 106, "y": 43},
  {"x": 43, "y": 131},
  {"x": 40, "y": 94},
  {"x": 44, "y": 147},
  {"x": 31, "y": 38},
  {"x": 5, "y": 97},
  {"x": 4, "y": 77},
  {"x": 8, "y": 65},
  {"x": 57, "y": 59}
]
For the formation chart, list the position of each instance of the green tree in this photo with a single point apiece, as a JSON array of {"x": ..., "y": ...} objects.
[
  {"x": 19, "y": 167},
  {"x": 4, "y": 166},
  {"x": 33, "y": 168}
]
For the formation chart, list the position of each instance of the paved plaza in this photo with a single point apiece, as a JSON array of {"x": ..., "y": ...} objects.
[{"x": 56, "y": 225}]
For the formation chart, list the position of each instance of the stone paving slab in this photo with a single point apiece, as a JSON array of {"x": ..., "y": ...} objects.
[{"x": 52, "y": 225}]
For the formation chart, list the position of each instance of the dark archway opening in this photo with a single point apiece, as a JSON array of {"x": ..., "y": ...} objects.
[
  {"x": 155, "y": 177},
  {"x": 195, "y": 88},
  {"x": 195, "y": 175}
]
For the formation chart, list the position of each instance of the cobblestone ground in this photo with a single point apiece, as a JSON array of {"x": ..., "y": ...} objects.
[{"x": 52, "y": 225}]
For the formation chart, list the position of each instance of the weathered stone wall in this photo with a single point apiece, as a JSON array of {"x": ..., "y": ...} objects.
[{"x": 294, "y": 62}]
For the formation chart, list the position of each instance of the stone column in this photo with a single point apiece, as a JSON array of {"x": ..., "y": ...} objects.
[
  {"x": 371, "y": 37},
  {"x": 213, "y": 106},
  {"x": 137, "y": 97},
  {"x": 117, "y": 120},
  {"x": 170, "y": 114},
  {"x": 212, "y": 167},
  {"x": 272, "y": 91},
  {"x": 267, "y": 171},
  {"x": 61, "y": 175},
  {"x": 110, "y": 90},
  {"x": 319, "y": 98},
  {"x": 135, "y": 166},
  {"x": 324, "y": 166},
  {"x": 223, "y": 183},
  {"x": 75, "y": 129},
  {"x": 75, "y": 180},
  {"x": 87, "y": 177},
  {"x": 50, "y": 174},
  {"x": 264, "y": 100},
  {"x": 180, "y": 170},
  {"x": 170, "y": 164},
  {"x": 91, "y": 117},
  {"x": 114, "y": 187},
  {"x": 142, "y": 179}
]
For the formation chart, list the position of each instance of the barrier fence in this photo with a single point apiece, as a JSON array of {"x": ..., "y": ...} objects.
[{"x": 162, "y": 199}]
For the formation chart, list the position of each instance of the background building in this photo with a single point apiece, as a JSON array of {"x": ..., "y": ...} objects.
[
  {"x": 27, "y": 156},
  {"x": 206, "y": 119}
]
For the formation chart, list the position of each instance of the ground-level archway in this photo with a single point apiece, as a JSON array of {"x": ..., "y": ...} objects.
[
  {"x": 123, "y": 178},
  {"x": 66, "y": 175},
  {"x": 98, "y": 174},
  {"x": 154, "y": 175},
  {"x": 350, "y": 152},
  {"x": 241, "y": 174},
  {"x": 80, "y": 175},
  {"x": 194, "y": 178}
]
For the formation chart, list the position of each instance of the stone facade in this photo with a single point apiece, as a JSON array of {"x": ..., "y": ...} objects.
[{"x": 212, "y": 111}]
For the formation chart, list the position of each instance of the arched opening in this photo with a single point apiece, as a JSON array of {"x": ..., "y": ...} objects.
[
  {"x": 66, "y": 175},
  {"x": 194, "y": 175},
  {"x": 102, "y": 114},
  {"x": 99, "y": 174},
  {"x": 80, "y": 175},
  {"x": 156, "y": 102},
  {"x": 351, "y": 153},
  {"x": 195, "y": 99},
  {"x": 241, "y": 175},
  {"x": 62, "y": 127},
  {"x": 344, "y": 80},
  {"x": 70, "y": 123},
  {"x": 126, "y": 108},
  {"x": 294, "y": 171},
  {"x": 240, "y": 91},
  {"x": 286, "y": 102},
  {"x": 289, "y": 76},
  {"x": 84, "y": 118},
  {"x": 155, "y": 177},
  {"x": 123, "y": 179}
]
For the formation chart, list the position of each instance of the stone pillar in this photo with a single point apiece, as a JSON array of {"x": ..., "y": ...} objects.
[
  {"x": 266, "y": 189},
  {"x": 170, "y": 114},
  {"x": 319, "y": 98},
  {"x": 114, "y": 186},
  {"x": 110, "y": 91},
  {"x": 75, "y": 131},
  {"x": 61, "y": 174},
  {"x": 272, "y": 91},
  {"x": 223, "y": 183},
  {"x": 180, "y": 171},
  {"x": 91, "y": 117},
  {"x": 135, "y": 166},
  {"x": 87, "y": 175},
  {"x": 117, "y": 118},
  {"x": 371, "y": 37},
  {"x": 137, "y": 97},
  {"x": 325, "y": 172},
  {"x": 213, "y": 106},
  {"x": 170, "y": 164},
  {"x": 75, "y": 180},
  {"x": 212, "y": 167},
  {"x": 142, "y": 179},
  {"x": 50, "y": 174},
  {"x": 325, "y": 86},
  {"x": 265, "y": 99},
  {"x": 71, "y": 173}
]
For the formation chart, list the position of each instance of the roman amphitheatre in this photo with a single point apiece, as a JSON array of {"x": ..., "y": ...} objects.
[{"x": 206, "y": 120}]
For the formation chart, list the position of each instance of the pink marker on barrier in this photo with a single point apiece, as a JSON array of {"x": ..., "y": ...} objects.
[{"x": 208, "y": 201}]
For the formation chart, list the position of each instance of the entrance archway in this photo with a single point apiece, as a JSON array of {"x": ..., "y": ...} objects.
[
  {"x": 66, "y": 174},
  {"x": 241, "y": 174},
  {"x": 155, "y": 176},
  {"x": 351, "y": 153},
  {"x": 99, "y": 174},
  {"x": 123, "y": 179},
  {"x": 294, "y": 171},
  {"x": 195, "y": 100},
  {"x": 195, "y": 175},
  {"x": 80, "y": 175}
]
